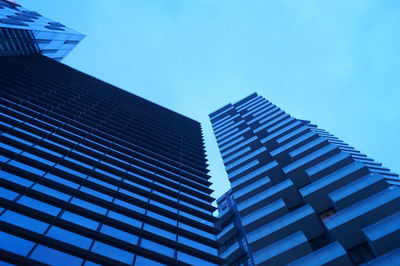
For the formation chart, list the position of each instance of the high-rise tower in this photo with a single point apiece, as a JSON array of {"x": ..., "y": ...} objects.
[
  {"x": 90, "y": 173},
  {"x": 25, "y": 32},
  {"x": 302, "y": 196}
]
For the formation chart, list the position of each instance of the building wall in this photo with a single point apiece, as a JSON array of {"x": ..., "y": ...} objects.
[
  {"x": 90, "y": 173},
  {"x": 24, "y": 32},
  {"x": 303, "y": 196}
]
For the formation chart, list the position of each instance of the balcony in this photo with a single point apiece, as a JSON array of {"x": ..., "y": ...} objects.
[
  {"x": 316, "y": 193},
  {"x": 333, "y": 254},
  {"x": 302, "y": 219},
  {"x": 384, "y": 235},
  {"x": 283, "y": 190},
  {"x": 283, "y": 251},
  {"x": 357, "y": 191},
  {"x": 227, "y": 232},
  {"x": 346, "y": 226},
  {"x": 232, "y": 253}
]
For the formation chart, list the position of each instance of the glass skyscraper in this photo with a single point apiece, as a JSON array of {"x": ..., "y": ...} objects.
[
  {"x": 301, "y": 196},
  {"x": 25, "y": 32},
  {"x": 91, "y": 174}
]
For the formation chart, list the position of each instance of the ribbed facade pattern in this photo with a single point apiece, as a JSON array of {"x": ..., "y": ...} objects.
[
  {"x": 91, "y": 174},
  {"x": 303, "y": 196}
]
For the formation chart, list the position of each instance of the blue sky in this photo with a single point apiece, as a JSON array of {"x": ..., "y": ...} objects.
[{"x": 335, "y": 63}]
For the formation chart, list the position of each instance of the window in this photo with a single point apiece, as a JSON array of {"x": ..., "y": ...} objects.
[
  {"x": 54, "y": 257},
  {"x": 117, "y": 233},
  {"x": 197, "y": 245},
  {"x": 129, "y": 206},
  {"x": 96, "y": 193},
  {"x": 24, "y": 221},
  {"x": 159, "y": 231},
  {"x": 112, "y": 252},
  {"x": 8, "y": 194},
  {"x": 61, "y": 180},
  {"x": 102, "y": 183},
  {"x": 10, "y": 148},
  {"x": 196, "y": 231},
  {"x": 192, "y": 260},
  {"x": 37, "y": 158},
  {"x": 155, "y": 247},
  {"x": 88, "y": 205},
  {"x": 15, "y": 244},
  {"x": 162, "y": 218},
  {"x": 69, "y": 237},
  {"x": 14, "y": 178},
  {"x": 140, "y": 261},
  {"x": 51, "y": 192},
  {"x": 80, "y": 220},
  {"x": 124, "y": 219},
  {"x": 26, "y": 167},
  {"x": 39, "y": 205}
]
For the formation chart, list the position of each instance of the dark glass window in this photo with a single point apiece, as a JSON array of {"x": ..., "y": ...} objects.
[
  {"x": 14, "y": 178},
  {"x": 192, "y": 259},
  {"x": 197, "y": 245},
  {"x": 96, "y": 193},
  {"x": 54, "y": 257},
  {"x": 88, "y": 205},
  {"x": 15, "y": 244},
  {"x": 26, "y": 167},
  {"x": 51, "y": 192},
  {"x": 80, "y": 220},
  {"x": 159, "y": 231},
  {"x": 39, "y": 205},
  {"x": 69, "y": 237},
  {"x": 10, "y": 148},
  {"x": 117, "y": 233},
  {"x": 61, "y": 180},
  {"x": 129, "y": 206},
  {"x": 140, "y": 261},
  {"x": 8, "y": 194},
  {"x": 167, "y": 251},
  {"x": 24, "y": 221},
  {"x": 112, "y": 252},
  {"x": 125, "y": 219}
]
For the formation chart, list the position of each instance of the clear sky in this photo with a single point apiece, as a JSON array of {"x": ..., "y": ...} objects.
[{"x": 335, "y": 63}]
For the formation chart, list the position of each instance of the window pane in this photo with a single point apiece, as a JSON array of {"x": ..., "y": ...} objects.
[
  {"x": 159, "y": 248},
  {"x": 61, "y": 180},
  {"x": 80, "y": 220},
  {"x": 51, "y": 192},
  {"x": 8, "y": 194},
  {"x": 140, "y": 261},
  {"x": 24, "y": 221},
  {"x": 124, "y": 219},
  {"x": 112, "y": 252},
  {"x": 117, "y": 233},
  {"x": 15, "y": 244},
  {"x": 14, "y": 178},
  {"x": 69, "y": 237},
  {"x": 88, "y": 205},
  {"x": 39, "y": 205},
  {"x": 54, "y": 257},
  {"x": 159, "y": 231}
]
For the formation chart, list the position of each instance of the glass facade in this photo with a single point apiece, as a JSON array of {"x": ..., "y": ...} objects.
[
  {"x": 91, "y": 174},
  {"x": 24, "y": 32},
  {"x": 299, "y": 195}
]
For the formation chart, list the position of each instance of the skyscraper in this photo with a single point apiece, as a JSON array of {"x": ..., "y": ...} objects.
[
  {"x": 91, "y": 174},
  {"x": 303, "y": 197},
  {"x": 25, "y": 32}
]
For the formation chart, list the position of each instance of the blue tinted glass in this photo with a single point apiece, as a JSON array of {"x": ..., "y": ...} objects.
[
  {"x": 129, "y": 206},
  {"x": 197, "y": 245},
  {"x": 159, "y": 231},
  {"x": 167, "y": 251},
  {"x": 100, "y": 182},
  {"x": 37, "y": 158},
  {"x": 196, "y": 231},
  {"x": 61, "y": 180},
  {"x": 133, "y": 194},
  {"x": 51, "y": 192},
  {"x": 39, "y": 205},
  {"x": 54, "y": 257},
  {"x": 161, "y": 218},
  {"x": 112, "y": 252},
  {"x": 8, "y": 194},
  {"x": 140, "y": 261},
  {"x": 10, "y": 148},
  {"x": 192, "y": 260},
  {"x": 18, "y": 139},
  {"x": 108, "y": 174},
  {"x": 88, "y": 205},
  {"x": 48, "y": 150},
  {"x": 14, "y": 178},
  {"x": 69, "y": 237},
  {"x": 26, "y": 167},
  {"x": 15, "y": 244},
  {"x": 117, "y": 233},
  {"x": 24, "y": 221},
  {"x": 80, "y": 220},
  {"x": 124, "y": 219},
  {"x": 71, "y": 171},
  {"x": 3, "y": 159},
  {"x": 163, "y": 206},
  {"x": 96, "y": 193}
]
